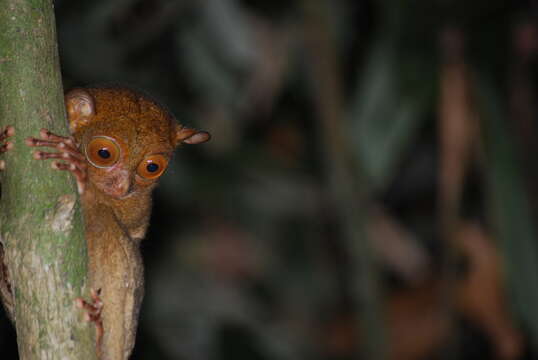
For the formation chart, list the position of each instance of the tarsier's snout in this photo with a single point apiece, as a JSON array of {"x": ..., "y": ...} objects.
[{"x": 117, "y": 185}]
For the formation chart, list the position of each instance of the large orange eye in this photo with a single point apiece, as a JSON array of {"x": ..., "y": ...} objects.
[
  {"x": 102, "y": 152},
  {"x": 152, "y": 167}
]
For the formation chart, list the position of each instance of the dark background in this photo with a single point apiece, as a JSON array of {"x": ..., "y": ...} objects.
[{"x": 370, "y": 188}]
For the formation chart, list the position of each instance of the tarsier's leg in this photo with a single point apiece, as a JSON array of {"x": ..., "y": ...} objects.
[{"x": 71, "y": 158}]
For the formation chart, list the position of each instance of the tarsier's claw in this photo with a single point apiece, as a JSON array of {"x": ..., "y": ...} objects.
[{"x": 72, "y": 160}]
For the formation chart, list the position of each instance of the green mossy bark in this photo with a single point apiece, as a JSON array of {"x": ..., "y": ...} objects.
[{"x": 41, "y": 225}]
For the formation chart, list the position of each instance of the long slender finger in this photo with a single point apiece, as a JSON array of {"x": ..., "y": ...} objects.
[
  {"x": 80, "y": 176},
  {"x": 42, "y": 155},
  {"x": 69, "y": 156},
  {"x": 61, "y": 146},
  {"x": 5, "y": 147},
  {"x": 7, "y": 132},
  {"x": 83, "y": 304},
  {"x": 66, "y": 148},
  {"x": 38, "y": 142},
  {"x": 47, "y": 135}
]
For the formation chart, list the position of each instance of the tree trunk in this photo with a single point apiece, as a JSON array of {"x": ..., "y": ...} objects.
[{"x": 41, "y": 225}]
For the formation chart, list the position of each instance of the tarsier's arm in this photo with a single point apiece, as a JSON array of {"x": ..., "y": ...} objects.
[{"x": 120, "y": 144}]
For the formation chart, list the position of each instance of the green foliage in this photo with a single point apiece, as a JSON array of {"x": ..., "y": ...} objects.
[{"x": 510, "y": 211}]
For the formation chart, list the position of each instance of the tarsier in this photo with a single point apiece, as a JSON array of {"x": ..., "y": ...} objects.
[{"x": 121, "y": 142}]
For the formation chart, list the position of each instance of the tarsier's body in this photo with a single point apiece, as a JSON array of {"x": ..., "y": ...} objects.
[{"x": 120, "y": 145}]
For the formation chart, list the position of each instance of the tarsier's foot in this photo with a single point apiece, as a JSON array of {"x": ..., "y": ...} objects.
[
  {"x": 5, "y": 145},
  {"x": 72, "y": 160},
  {"x": 93, "y": 313}
]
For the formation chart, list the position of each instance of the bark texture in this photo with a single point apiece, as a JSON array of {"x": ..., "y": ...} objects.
[{"x": 41, "y": 226}]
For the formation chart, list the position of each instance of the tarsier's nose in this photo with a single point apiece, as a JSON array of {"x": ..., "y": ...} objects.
[{"x": 118, "y": 184}]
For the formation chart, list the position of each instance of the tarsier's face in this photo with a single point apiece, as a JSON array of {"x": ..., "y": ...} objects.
[
  {"x": 120, "y": 169},
  {"x": 126, "y": 138}
]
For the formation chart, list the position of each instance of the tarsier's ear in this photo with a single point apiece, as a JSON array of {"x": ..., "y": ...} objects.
[
  {"x": 190, "y": 136},
  {"x": 80, "y": 107}
]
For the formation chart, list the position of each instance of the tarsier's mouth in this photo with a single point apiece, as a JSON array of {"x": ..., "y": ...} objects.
[{"x": 118, "y": 192}]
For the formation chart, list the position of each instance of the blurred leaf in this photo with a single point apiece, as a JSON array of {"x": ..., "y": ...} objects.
[
  {"x": 230, "y": 32},
  {"x": 397, "y": 247},
  {"x": 217, "y": 49},
  {"x": 209, "y": 77},
  {"x": 192, "y": 302},
  {"x": 509, "y": 211},
  {"x": 482, "y": 296},
  {"x": 98, "y": 41},
  {"x": 385, "y": 112}
]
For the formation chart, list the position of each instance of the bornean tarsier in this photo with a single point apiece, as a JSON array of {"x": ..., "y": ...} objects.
[{"x": 120, "y": 144}]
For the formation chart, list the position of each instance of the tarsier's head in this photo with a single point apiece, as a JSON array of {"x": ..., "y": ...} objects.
[{"x": 127, "y": 138}]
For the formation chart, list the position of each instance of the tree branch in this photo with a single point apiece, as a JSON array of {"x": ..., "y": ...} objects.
[{"x": 41, "y": 225}]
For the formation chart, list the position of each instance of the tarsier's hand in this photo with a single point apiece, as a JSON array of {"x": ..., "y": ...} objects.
[
  {"x": 5, "y": 145},
  {"x": 72, "y": 159}
]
